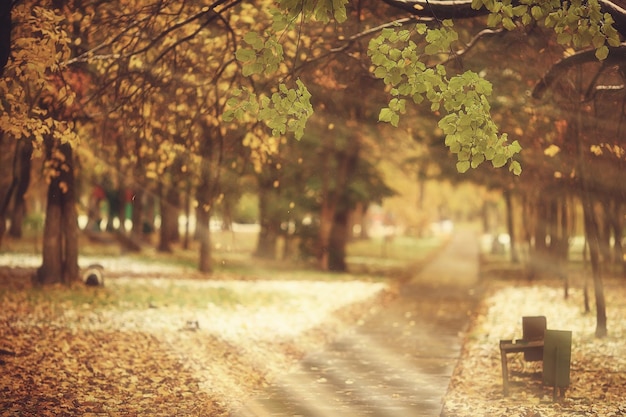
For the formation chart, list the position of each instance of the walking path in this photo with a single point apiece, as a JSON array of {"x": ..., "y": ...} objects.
[{"x": 397, "y": 363}]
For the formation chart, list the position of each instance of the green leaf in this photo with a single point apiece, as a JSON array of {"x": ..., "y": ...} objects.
[
  {"x": 477, "y": 160},
  {"x": 462, "y": 166},
  {"x": 508, "y": 23},
  {"x": 339, "y": 10},
  {"x": 602, "y": 52},
  {"x": 598, "y": 40},
  {"x": 515, "y": 147},
  {"x": 245, "y": 55},
  {"x": 537, "y": 12},
  {"x": 519, "y": 11},
  {"x": 477, "y": 4},
  {"x": 395, "y": 119},
  {"x": 254, "y": 40},
  {"x": 499, "y": 160},
  {"x": 564, "y": 38},
  {"x": 515, "y": 168},
  {"x": 385, "y": 115},
  {"x": 493, "y": 20}
]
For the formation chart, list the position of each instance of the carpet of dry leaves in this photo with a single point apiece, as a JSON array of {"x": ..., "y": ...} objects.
[
  {"x": 59, "y": 358},
  {"x": 598, "y": 366}
]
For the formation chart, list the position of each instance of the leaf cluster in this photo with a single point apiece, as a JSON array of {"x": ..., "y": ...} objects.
[
  {"x": 320, "y": 10},
  {"x": 579, "y": 23},
  {"x": 33, "y": 94},
  {"x": 469, "y": 130},
  {"x": 286, "y": 110},
  {"x": 262, "y": 57}
]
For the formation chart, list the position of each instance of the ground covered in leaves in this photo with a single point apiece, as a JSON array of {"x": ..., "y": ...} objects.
[
  {"x": 161, "y": 341},
  {"x": 598, "y": 366}
]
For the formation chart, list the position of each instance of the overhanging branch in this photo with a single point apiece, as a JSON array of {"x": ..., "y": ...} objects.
[
  {"x": 617, "y": 55},
  {"x": 442, "y": 9},
  {"x": 462, "y": 9}
]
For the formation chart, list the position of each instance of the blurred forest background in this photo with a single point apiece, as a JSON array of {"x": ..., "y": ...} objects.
[{"x": 113, "y": 130}]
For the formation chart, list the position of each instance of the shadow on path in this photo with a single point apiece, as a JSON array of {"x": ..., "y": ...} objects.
[{"x": 398, "y": 362}]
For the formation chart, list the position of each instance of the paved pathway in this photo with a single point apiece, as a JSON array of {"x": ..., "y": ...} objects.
[{"x": 399, "y": 362}]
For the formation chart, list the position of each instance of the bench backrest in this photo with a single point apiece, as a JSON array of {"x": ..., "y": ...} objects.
[{"x": 534, "y": 328}]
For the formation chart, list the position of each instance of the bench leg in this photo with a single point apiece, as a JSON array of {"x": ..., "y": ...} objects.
[{"x": 505, "y": 373}]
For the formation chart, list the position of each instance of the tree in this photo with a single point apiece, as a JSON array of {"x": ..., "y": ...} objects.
[
  {"x": 35, "y": 108},
  {"x": 595, "y": 24},
  {"x": 139, "y": 48}
]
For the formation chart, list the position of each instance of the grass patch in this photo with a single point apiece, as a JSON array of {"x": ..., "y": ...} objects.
[
  {"x": 387, "y": 257},
  {"x": 138, "y": 294}
]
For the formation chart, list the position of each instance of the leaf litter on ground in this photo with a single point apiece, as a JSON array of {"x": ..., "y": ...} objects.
[
  {"x": 201, "y": 347},
  {"x": 161, "y": 346},
  {"x": 597, "y": 369}
]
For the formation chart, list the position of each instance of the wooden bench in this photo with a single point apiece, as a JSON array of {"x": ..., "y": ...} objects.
[{"x": 531, "y": 344}]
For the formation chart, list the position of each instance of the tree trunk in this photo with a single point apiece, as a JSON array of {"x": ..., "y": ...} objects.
[
  {"x": 269, "y": 219},
  {"x": 346, "y": 162},
  {"x": 563, "y": 254},
  {"x": 591, "y": 229},
  {"x": 170, "y": 200},
  {"x": 187, "y": 209},
  {"x": 538, "y": 251},
  {"x": 205, "y": 263},
  {"x": 60, "y": 240},
  {"x": 338, "y": 242},
  {"x": 617, "y": 226},
  {"x": 137, "y": 217},
  {"x": 205, "y": 196},
  {"x": 21, "y": 174},
  {"x": 604, "y": 230},
  {"x": 593, "y": 239},
  {"x": 510, "y": 225}
]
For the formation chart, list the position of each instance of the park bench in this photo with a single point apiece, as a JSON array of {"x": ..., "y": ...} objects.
[
  {"x": 552, "y": 347},
  {"x": 531, "y": 344}
]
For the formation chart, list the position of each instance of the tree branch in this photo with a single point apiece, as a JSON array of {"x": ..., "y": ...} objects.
[
  {"x": 480, "y": 35},
  {"x": 357, "y": 36},
  {"x": 617, "y": 55},
  {"x": 439, "y": 9},
  {"x": 462, "y": 9}
]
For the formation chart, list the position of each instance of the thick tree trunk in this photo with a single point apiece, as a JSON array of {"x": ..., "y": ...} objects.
[
  {"x": 346, "y": 162},
  {"x": 60, "y": 240},
  {"x": 8, "y": 183},
  {"x": 270, "y": 223},
  {"x": 51, "y": 270},
  {"x": 205, "y": 196},
  {"x": 338, "y": 242},
  {"x": 69, "y": 224},
  {"x": 267, "y": 242},
  {"x": 170, "y": 200}
]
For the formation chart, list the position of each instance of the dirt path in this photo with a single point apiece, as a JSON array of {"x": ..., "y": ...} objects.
[{"x": 399, "y": 361}]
